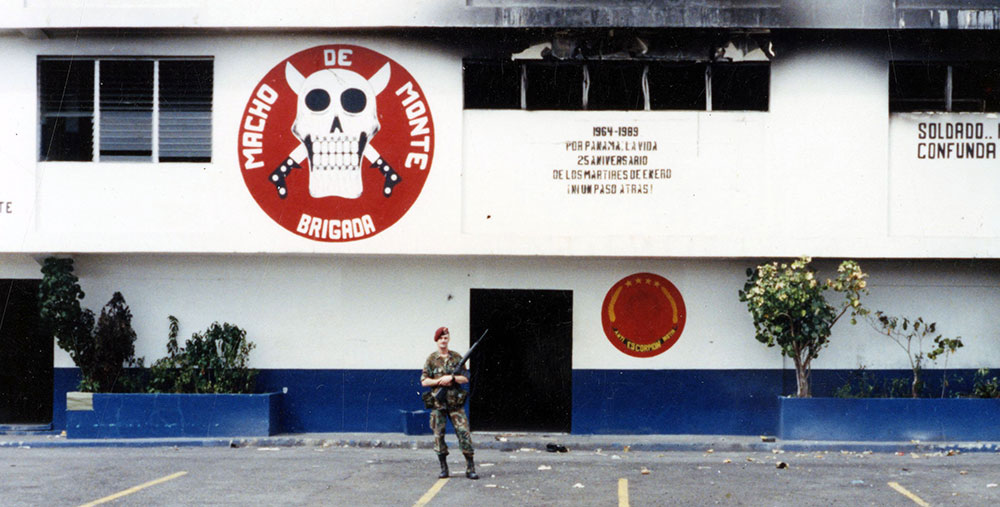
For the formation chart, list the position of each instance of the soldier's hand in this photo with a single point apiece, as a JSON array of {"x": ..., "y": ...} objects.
[{"x": 446, "y": 380}]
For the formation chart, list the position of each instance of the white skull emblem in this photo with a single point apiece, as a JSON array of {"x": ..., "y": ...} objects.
[{"x": 335, "y": 120}]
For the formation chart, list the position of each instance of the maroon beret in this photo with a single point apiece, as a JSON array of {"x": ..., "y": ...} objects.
[{"x": 440, "y": 331}]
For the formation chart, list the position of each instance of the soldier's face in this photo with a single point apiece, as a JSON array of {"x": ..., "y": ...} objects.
[{"x": 442, "y": 341}]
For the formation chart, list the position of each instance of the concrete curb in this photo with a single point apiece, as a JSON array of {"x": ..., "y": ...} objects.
[{"x": 573, "y": 443}]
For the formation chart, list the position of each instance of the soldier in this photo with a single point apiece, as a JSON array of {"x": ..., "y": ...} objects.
[{"x": 437, "y": 375}]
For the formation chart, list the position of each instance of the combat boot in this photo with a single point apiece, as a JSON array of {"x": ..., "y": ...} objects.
[
  {"x": 443, "y": 458},
  {"x": 470, "y": 468}
]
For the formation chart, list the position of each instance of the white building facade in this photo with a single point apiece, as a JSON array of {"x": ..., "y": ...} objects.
[{"x": 588, "y": 183}]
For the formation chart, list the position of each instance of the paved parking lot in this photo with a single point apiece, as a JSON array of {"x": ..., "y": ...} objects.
[{"x": 373, "y": 476}]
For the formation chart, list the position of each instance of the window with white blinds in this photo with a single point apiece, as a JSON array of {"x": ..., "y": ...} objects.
[{"x": 115, "y": 109}]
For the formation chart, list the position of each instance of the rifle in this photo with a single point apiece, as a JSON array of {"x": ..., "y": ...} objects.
[{"x": 443, "y": 392}]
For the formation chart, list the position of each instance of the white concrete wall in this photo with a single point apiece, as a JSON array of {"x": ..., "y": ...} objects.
[
  {"x": 206, "y": 207},
  {"x": 812, "y": 175},
  {"x": 944, "y": 175},
  {"x": 18, "y": 100},
  {"x": 19, "y": 266},
  {"x": 961, "y": 296},
  {"x": 380, "y": 312}
]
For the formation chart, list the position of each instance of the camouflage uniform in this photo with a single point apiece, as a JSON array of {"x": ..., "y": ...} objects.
[{"x": 437, "y": 366}]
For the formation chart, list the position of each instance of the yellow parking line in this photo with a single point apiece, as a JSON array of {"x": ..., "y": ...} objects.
[
  {"x": 903, "y": 491},
  {"x": 622, "y": 492},
  {"x": 129, "y": 491},
  {"x": 431, "y": 492}
]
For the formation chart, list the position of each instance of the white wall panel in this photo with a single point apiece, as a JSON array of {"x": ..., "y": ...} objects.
[
  {"x": 816, "y": 174},
  {"x": 960, "y": 296},
  {"x": 945, "y": 175},
  {"x": 206, "y": 207},
  {"x": 19, "y": 266},
  {"x": 380, "y": 312},
  {"x": 17, "y": 148},
  {"x": 527, "y": 173}
]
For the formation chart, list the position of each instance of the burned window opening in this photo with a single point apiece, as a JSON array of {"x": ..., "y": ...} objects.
[
  {"x": 968, "y": 87},
  {"x": 619, "y": 85},
  {"x": 743, "y": 86},
  {"x": 553, "y": 85}
]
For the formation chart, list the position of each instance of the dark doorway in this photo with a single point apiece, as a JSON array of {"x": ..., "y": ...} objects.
[
  {"x": 25, "y": 356},
  {"x": 522, "y": 372}
]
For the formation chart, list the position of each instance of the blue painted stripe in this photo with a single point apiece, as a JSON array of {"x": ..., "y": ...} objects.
[
  {"x": 890, "y": 419},
  {"x": 723, "y": 402},
  {"x": 174, "y": 415}
]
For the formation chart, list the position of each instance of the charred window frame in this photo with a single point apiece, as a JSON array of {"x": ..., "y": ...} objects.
[
  {"x": 617, "y": 85},
  {"x": 491, "y": 84},
  {"x": 743, "y": 86},
  {"x": 944, "y": 87},
  {"x": 624, "y": 85},
  {"x": 125, "y": 109},
  {"x": 677, "y": 86},
  {"x": 554, "y": 85}
]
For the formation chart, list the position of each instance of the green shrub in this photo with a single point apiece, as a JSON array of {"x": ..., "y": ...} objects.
[
  {"x": 214, "y": 361},
  {"x": 860, "y": 384},
  {"x": 103, "y": 351},
  {"x": 983, "y": 387}
]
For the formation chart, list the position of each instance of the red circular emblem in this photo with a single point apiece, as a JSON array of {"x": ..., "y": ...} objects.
[
  {"x": 643, "y": 315},
  {"x": 336, "y": 142}
]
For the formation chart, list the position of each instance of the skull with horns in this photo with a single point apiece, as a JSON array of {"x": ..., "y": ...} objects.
[{"x": 335, "y": 121}]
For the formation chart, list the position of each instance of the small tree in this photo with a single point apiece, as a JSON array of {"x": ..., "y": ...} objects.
[
  {"x": 114, "y": 347},
  {"x": 103, "y": 352},
  {"x": 789, "y": 310},
  {"x": 910, "y": 335},
  {"x": 60, "y": 313}
]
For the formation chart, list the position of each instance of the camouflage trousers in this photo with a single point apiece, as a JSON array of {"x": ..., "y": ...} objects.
[{"x": 461, "y": 424}]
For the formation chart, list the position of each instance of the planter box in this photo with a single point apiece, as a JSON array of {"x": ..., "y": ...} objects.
[
  {"x": 889, "y": 419},
  {"x": 106, "y": 415},
  {"x": 416, "y": 422}
]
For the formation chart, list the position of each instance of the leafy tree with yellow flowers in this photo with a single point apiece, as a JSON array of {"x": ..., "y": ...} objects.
[{"x": 790, "y": 311}]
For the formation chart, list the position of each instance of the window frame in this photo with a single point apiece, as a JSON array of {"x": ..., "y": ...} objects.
[
  {"x": 95, "y": 113},
  {"x": 947, "y": 97},
  {"x": 648, "y": 102}
]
